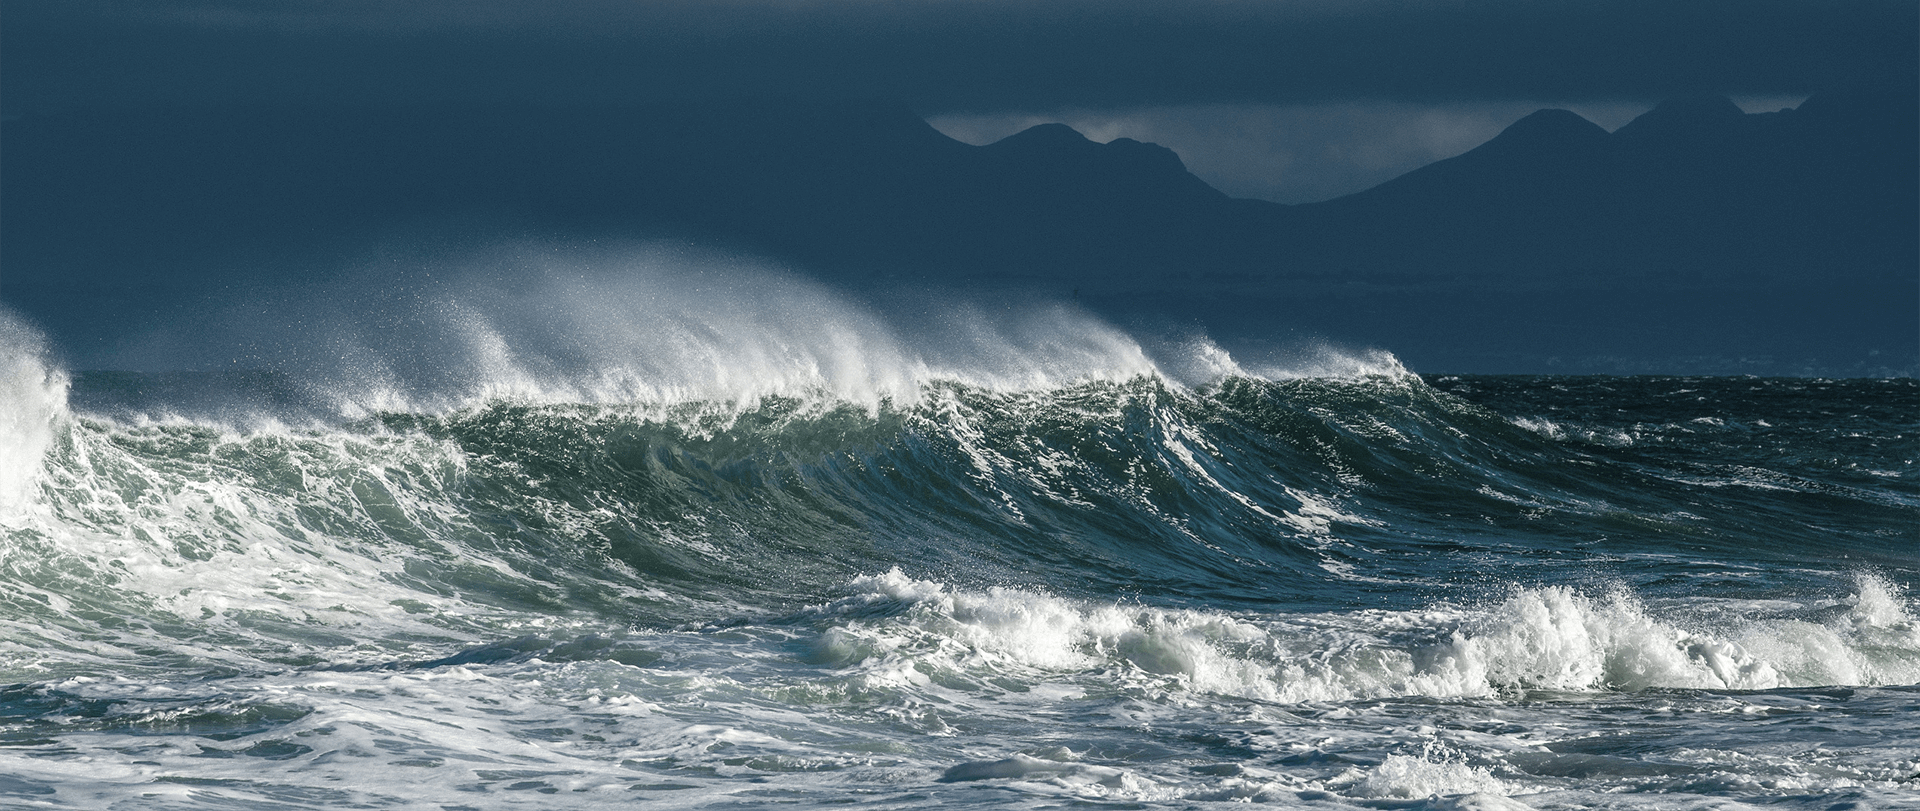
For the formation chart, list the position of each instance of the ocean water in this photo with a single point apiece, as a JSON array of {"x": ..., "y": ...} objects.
[{"x": 780, "y": 549}]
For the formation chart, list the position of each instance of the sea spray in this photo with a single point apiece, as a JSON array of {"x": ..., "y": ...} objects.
[
  {"x": 645, "y": 324},
  {"x": 33, "y": 404}
]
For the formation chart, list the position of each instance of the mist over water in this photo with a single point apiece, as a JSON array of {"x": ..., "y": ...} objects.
[
  {"x": 634, "y": 525},
  {"x": 648, "y": 324}
]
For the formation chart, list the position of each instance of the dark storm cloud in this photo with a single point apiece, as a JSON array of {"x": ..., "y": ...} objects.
[{"x": 939, "y": 55}]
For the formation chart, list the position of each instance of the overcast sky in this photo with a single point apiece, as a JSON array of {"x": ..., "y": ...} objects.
[{"x": 1285, "y": 99}]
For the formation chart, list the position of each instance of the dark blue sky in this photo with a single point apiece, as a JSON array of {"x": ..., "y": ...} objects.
[{"x": 1283, "y": 100}]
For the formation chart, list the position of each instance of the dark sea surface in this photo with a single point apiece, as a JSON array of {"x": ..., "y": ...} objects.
[{"x": 806, "y": 558}]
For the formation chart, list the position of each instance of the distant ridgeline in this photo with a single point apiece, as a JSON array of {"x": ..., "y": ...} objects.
[{"x": 1696, "y": 238}]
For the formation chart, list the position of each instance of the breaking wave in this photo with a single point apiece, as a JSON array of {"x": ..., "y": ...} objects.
[
  {"x": 686, "y": 528},
  {"x": 1550, "y": 639}
]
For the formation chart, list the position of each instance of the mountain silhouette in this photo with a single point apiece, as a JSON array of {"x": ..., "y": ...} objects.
[
  {"x": 1782, "y": 241},
  {"x": 1692, "y": 190}
]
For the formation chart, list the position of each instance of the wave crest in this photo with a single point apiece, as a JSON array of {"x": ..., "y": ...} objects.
[{"x": 656, "y": 325}]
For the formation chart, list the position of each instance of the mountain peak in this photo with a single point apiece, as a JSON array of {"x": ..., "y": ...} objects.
[
  {"x": 1052, "y": 149},
  {"x": 1690, "y": 113},
  {"x": 1543, "y": 137},
  {"x": 1045, "y": 137},
  {"x": 1547, "y": 128}
]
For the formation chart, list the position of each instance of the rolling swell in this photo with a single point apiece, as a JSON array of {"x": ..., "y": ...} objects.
[
  {"x": 732, "y": 457},
  {"x": 1246, "y": 492}
]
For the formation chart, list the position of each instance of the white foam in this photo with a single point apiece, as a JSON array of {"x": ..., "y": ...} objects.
[
  {"x": 1877, "y": 640},
  {"x": 1555, "y": 638},
  {"x": 1546, "y": 638},
  {"x": 1407, "y": 777},
  {"x": 217, "y": 532}
]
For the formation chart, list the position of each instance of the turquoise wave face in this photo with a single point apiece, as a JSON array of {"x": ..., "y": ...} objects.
[{"x": 1316, "y": 494}]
